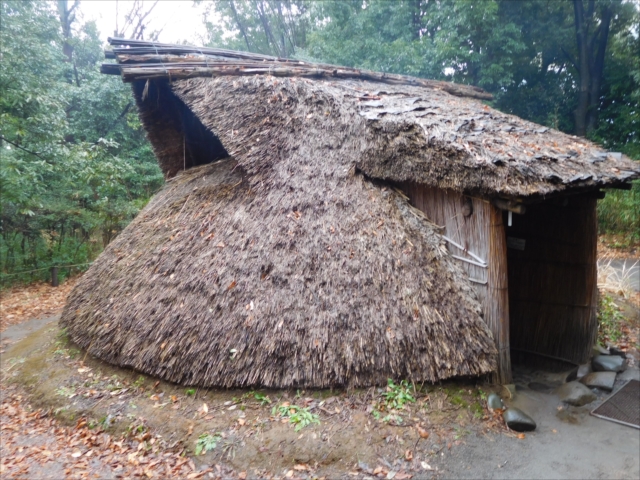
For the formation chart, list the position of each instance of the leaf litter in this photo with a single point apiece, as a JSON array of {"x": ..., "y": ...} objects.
[
  {"x": 404, "y": 442},
  {"x": 39, "y": 299}
]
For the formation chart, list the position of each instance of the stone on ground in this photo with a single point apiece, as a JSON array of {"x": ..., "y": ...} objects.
[
  {"x": 576, "y": 394},
  {"x": 517, "y": 420},
  {"x": 608, "y": 363},
  {"x": 603, "y": 380},
  {"x": 494, "y": 401},
  {"x": 630, "y": 374},
  {"x": 618, "y": 352},
  {"x": 584, "y": 370}
]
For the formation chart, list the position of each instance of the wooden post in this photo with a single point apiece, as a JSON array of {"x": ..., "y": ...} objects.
[
  {"x": 54, "y": 277},
  {"x": 497, "y": 308}
]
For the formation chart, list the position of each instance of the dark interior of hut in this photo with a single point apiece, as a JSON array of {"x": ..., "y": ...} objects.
[
  {"x": 182, "y": 141},
  {"x": 551, "y": 257}
]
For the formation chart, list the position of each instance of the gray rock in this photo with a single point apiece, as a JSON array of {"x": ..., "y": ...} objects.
[
  {"x": 629, "y": 374},
  {"x": 494, "y": 401},
  {"x": 608, "y": 363},
  {"x": 603, "y": 380},
  {"x": 517, "y": 420},
  {"x": 599, "y": 350},
  {"x": 584, "y": 370},
  {"x": 576, "y": 394}
]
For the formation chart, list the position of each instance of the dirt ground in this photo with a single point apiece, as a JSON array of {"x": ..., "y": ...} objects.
[
  {"x": 65, "y": 414},
  {"x": 60, "y": 387},
  {"x": 358, "y": 434}
]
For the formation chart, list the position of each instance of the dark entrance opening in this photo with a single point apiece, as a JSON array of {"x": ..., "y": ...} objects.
[
  {"x": 551, "y": 257},
  {"x": 179, "y": 138}
]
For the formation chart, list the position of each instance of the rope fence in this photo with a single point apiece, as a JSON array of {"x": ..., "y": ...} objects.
[{"x": 54, "y": 271}]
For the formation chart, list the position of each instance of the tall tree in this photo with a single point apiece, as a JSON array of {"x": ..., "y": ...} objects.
[
  {"x": 276, "y": 27},
  {"x": 74, "y": 163},
  {"x": 592, "y": 35}
]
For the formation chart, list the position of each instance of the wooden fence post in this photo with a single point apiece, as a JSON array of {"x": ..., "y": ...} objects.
[{"x": 54, "y": 277}]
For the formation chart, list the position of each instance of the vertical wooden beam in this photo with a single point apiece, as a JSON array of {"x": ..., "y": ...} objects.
[
  {"x": 497, "y": 305},
  {"x": 591, "y": 260}
]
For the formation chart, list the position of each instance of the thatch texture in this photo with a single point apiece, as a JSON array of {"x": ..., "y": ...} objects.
[
  {"x": 323, "y": 279},
  {"x": 410, "y": 130},
  {"x": 292, "y": 262}
]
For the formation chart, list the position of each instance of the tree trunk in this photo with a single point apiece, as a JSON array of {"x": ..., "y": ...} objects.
[
  {"x": 580, "y": 113},
  {"x": 239, "y": 23},
  {"x": 598, "y": 69},
  {"x": 590, "y": 63},
  {"x": 67, "y": 17}
]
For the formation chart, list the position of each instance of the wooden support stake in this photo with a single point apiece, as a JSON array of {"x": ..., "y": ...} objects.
[{"x": 497, "y": 314}]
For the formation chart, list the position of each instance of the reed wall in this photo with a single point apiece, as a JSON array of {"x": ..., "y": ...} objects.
[{"x": 477, "y": 228}]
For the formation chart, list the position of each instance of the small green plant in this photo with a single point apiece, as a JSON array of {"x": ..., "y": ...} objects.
[
  {"x": 190, "y": 392},
  {"x": 392, "y": 418},
  {"x": 482, "y": 394},
  {"x": 65, "y": 392},
  {"x": 609, "y": 320},
  {"x": 262, "y": 398},
  {"x": 460, "y": 432},
  {"x": 106, "y": 421},
  {"x": 206, "y": 442},
  {"x": 298, "y": 416},
  {"x": 397, "y": 396},
  {"x": 139, "y": 382}
]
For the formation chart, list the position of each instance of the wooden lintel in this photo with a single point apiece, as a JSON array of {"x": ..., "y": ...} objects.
[{"x": 509, "y": 205}]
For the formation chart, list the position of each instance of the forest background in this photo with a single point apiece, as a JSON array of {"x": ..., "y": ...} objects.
[{"x": 75, "y": 166}]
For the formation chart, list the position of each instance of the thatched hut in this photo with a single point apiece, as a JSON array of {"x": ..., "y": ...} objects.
[{"x": 325, "y": 226}]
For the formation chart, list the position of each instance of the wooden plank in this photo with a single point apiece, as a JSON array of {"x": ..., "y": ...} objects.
[{"x": 497, "y": 314}]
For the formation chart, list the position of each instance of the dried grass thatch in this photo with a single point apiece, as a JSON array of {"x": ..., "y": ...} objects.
[
  {"x": 326, "y": 280},
  {"x": 290, "y": 261}
]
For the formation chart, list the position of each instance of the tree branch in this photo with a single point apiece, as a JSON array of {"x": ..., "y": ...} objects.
[
  {"x": 570, "y": 58},
  {"x": 120, "y": 117},
  {"x": 24, "y": 149}
]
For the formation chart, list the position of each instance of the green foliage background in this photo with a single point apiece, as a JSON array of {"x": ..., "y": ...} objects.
[{"x": 75, "y": 165}]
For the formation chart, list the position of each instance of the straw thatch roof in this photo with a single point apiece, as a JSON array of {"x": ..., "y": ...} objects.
[
  {"x": 291, "y": 260},
  {"x": 406, "y": 129}
]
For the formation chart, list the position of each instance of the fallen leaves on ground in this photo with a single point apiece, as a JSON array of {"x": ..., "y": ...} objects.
[
  {"x": 25, "y": 302},
  {"x": 616, "y": 246},
  {"x": 34, "y": 445}
]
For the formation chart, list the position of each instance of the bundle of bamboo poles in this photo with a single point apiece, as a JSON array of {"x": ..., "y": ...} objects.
[{"x": 141, "y": 60}]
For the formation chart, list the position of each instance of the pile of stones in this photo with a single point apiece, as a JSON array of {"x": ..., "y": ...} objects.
[
  {"x": 600, "y": 373},
  {"x": 579, "y": 388}
]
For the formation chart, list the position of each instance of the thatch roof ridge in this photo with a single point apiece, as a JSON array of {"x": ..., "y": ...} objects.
[
  {"x": 142, "y": 60},
  {"x": 406, "y": 134},
  {"x": 413, "y": 130}
]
